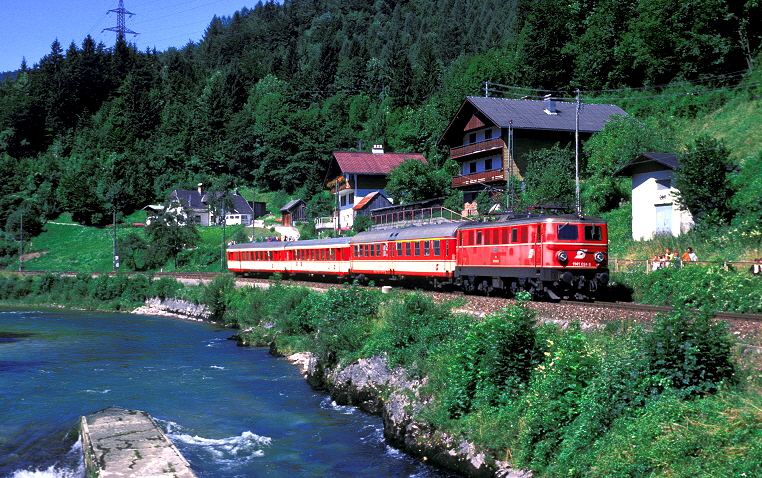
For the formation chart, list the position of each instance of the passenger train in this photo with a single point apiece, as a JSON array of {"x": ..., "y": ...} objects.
[{"x": 551, "y": 257}]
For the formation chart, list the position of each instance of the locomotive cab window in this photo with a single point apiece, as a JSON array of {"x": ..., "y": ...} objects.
[
  {"x": 593, "y": 233},
  {"x": 567, "y": 232}
]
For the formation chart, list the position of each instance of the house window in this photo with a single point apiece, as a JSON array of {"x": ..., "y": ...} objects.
[
  {"x": 487, "y": 134},
  {"x": 663, "y": 184},
  {"x": 472, "y": 167},
  {"x": 488, "y": 164},
  {"x": 472, "y": 138}
]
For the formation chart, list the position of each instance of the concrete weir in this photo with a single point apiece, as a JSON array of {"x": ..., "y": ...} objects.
[{"x": 127, "y": 443}]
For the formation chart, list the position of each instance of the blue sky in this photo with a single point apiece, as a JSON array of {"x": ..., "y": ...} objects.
[{"x": 29, "y": 27}]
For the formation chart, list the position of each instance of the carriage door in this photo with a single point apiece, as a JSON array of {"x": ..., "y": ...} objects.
[{"x": 536, "y": 239}]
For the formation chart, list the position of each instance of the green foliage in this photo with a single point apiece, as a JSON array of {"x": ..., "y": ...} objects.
[
  {"x": 340, "y": 319},
  {"x": 704, "y": 184},
  {"x": 165, "y": 287},
  {"x": 687, "y": 352},
  {"x": 413, "y": 180},
  {"x": 362, "y": 223},
  {"x": 168, "y": 235},
  {"x": 217, "y": 294},
  {"x": 549, "y": 177},
  {"x": 622, "y": 140},
  {"x": 411, "y": 329},
  {"x": 698, "y": 286},
  {"x": 493, "y": 362}
]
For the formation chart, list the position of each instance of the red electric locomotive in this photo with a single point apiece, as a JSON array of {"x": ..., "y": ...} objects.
[{"x": 549, "y": 256}]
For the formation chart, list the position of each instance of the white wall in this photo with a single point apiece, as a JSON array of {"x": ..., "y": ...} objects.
[{"x": 649, "y": 191}]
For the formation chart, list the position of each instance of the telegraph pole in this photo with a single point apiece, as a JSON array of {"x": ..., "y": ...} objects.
[
  {"x": 576, "y": 159},
  {"x": 120, "y": 27}
]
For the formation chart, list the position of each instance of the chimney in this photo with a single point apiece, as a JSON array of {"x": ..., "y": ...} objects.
[
  {"x": 378, "y": 149},
  {"x": 199, "y": 187},
  {"x": 550, "y": 105}
]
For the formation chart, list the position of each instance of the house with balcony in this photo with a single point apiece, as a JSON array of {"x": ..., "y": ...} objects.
[
  {"x": 655, "y": 206},
  {"x": 354, "y": 175},
  {"x": 491, "y": 136}
]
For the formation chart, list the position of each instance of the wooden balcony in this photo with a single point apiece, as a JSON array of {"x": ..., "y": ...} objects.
[
  {"x": 489, "y": 145},
  {"x": 343, "y": 187},
  {"x": 478, "y": 178}
]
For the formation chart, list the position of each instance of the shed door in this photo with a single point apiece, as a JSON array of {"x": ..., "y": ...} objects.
[{"x": 664, "y": 219}]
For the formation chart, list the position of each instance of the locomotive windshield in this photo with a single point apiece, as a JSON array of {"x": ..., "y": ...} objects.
[
  {"x": 593, "y": 233},
  {"x": 567, "y": 232}
]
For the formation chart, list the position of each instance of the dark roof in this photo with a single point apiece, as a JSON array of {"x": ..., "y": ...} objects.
[
  {"x": 447, "y": 229},
  {"x": 531, "y": 115},
  {"x": 291, "y": 205},
  {"x": 192, "y": 199},
  {"x": 367, "y": 199},
  {"x": 356, "y": 162},
  {"x": 189, "y": 198},
  {"x": 651, "y": 162}
]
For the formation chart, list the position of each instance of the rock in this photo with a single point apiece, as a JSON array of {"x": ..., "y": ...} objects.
[{"x": 375, "y": 388}]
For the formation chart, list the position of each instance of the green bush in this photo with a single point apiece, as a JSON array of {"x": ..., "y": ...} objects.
[
  {"x": 216, "y": 295},
  {"x": 411, "y": 327},
  {"x": 165, "y": 287},
  {"x": 687, "y": 352},
  {"x": 493, "y": 361}
]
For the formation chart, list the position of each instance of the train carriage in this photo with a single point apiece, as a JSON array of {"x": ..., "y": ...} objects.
[
  {"x": 256, "y": 258},
  {"x": 412, "y": 252},
  {"x": 324, "y": 257}
]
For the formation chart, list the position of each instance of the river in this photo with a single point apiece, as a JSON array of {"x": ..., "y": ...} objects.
[{"x": 232, "y": 411}]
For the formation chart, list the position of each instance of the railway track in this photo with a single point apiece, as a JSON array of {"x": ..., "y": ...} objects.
[{"x": 594, "y": 314}]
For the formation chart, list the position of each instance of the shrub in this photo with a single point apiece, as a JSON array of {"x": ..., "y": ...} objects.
[
  {"x": 686, "y": 352},
  {"x": 494, "y": 359},
  {"x": 165, "y": 287},
  {"x": 217, "y": 294},
  {"x": 411, "y": 327}
]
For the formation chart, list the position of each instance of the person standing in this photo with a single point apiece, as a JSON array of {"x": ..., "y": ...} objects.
[{"x": 692, "y": 255}]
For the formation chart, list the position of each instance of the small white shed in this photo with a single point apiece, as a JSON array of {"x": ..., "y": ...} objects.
[{"x": 655, "y": 208}]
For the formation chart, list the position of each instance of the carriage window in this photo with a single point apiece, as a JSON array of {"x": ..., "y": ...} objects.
[
  {"x": 407, "y": 248},
  {"x": 593, "y": 233},
  {"x": 399, "y": 248},
  {"x": 378, "y": 250},
  {"x": 437, "y": 248},
  {"x": 417, "y": 248},
  {"x": 568, "y": 232},
  {"x": 426, "y": 248}
]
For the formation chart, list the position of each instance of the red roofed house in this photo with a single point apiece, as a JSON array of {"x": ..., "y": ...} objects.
[{"x": 353, "y": 175}]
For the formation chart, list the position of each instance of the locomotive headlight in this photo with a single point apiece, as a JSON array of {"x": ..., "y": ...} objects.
[
  {"x": 562, "y": 256},
  {"x": 599, "y": 256}
]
